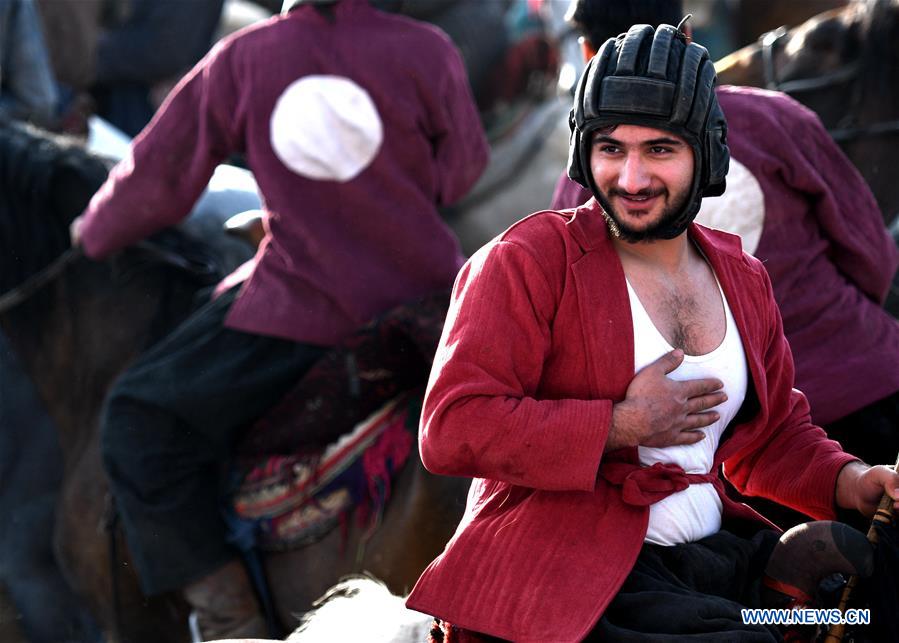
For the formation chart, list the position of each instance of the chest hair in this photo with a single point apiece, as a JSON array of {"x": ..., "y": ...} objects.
[{"x": 688, "y": 311}]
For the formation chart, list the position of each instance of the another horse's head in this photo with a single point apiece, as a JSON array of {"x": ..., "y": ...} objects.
[
  {"x": 843, "y": 65},
  {"x": 45, "y": 182}
]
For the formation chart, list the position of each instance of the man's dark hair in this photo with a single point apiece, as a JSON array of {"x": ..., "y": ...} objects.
[{"x": 599, "y": 20}]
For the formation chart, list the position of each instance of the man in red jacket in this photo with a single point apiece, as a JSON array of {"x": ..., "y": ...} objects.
[
  {"x": 805, "y": 211},
  {"x": 601, "y": 370}
]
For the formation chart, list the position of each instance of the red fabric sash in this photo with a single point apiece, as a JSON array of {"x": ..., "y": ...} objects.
[{"x": 642, "y": 486}]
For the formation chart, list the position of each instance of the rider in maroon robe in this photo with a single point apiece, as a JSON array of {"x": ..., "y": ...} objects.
[{"x": 357, "y": 125}]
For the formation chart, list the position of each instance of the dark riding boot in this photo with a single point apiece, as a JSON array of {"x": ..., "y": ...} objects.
[{"x": 225, "y": 604}]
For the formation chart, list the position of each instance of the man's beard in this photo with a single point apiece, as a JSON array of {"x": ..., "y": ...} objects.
[{"x": 664, "y": 228}]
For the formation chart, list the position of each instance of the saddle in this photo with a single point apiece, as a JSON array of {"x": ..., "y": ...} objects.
[
  {"x": 332, "y": 445},
  {"x": 297, "y": 499}
]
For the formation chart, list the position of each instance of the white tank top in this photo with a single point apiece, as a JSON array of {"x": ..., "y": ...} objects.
[{"x": 695, "y": 512}]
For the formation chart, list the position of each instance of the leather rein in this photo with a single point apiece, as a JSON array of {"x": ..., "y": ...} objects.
[
  {"x": 768, "y": 43},
  {"x": 35, "y": 282},
  {"x": 47, "y": 275}
]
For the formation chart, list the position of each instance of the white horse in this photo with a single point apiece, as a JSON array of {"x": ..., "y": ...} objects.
[
  {"x": 358, "y": 608},
  {"x": 362, "y": 608}
]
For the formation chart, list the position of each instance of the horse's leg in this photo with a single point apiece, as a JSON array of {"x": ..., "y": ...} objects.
[
  {"x": 30, "y": 470},
  {"x": 50, "y": 611},
  {"x": 83, "y": 546},
  {"x": 421, "y": 515},
  {"x": 416, "y": 525},
  {"x": 10, "y": 630}
]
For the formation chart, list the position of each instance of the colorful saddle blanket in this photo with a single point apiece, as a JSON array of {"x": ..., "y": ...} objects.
[{"x": 295, "y": 500}]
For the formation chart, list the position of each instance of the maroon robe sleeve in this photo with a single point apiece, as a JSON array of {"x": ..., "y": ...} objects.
[
  {"x": 171, "y": 161},
  {"x": 481, "y": 417},
  {"x": 846, "y": 211},
  {"x": 568, "y": 194},
  {"x": 791, "y": 462},
  {"x": 460, "y": 146}
]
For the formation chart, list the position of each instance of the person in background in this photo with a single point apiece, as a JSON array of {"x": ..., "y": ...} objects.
[
  {"x": 804, "y": 210},
  {"x": 27, "y": 86},
  {"x": 357, "y": 125},
  {"x": 72, "y": 29},
  {"x": 142, "y": 53}
]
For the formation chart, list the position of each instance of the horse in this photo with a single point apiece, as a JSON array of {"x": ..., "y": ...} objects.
[
  {"x": 49, "y": 611},
  {"x": 47, "y": 183},
  {"x": 524, "y": 167},
  {"x": 749, "y": 18},
  {"x": 361, "y": 600},
  {"x": 10, "y": 629},
  {"x": 842, "y": 64},
  {"x": 76, "y": 332}
]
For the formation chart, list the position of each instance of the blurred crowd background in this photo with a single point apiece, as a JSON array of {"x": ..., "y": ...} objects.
[{"x": 64, "y": 60}]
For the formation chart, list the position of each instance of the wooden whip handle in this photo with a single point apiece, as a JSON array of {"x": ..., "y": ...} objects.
[{"x": 884, "y": 516}]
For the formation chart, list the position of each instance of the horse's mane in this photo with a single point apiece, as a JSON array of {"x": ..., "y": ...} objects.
[{"x": 45, "y": 182}]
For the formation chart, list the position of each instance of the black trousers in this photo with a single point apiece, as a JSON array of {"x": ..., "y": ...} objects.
[
  {"x": 692, "y": 592},
  {"x": 688, "y": 592},
  {"x": 168, "y": 429}
]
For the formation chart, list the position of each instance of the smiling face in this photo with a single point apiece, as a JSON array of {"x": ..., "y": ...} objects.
[{"x": 645, "y": 176}]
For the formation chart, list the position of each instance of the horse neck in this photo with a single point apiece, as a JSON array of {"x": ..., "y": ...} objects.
[{"x": 742, "y": 67}]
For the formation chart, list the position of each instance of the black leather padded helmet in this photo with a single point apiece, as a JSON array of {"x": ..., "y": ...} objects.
[{"x": 654, "y": 78}]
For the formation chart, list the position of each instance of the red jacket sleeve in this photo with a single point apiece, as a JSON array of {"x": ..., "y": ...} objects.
[
  {"x": 480, "y": 416},
  {"x": 792, "y": 461},
  {"x": 171, "y": 161}
]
